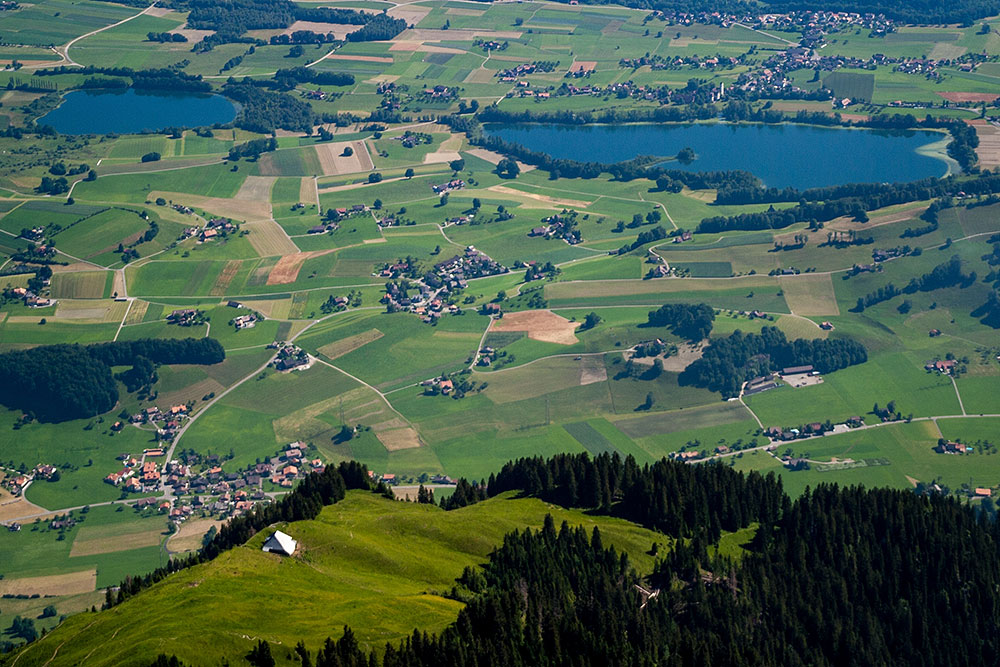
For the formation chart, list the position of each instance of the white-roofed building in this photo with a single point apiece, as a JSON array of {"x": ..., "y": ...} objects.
[{"x": 280, "y": 543}]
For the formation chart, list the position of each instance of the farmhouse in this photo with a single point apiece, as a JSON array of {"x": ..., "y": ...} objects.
[
  {"x": 280, "y": 543},
  {"x": 944, "y": 366},
  {"x": 247, "y": 321},
  {"x": 796, "y": 370},
  {"x": 185, "y": 317},
  {"x": 953, "y": 448}
]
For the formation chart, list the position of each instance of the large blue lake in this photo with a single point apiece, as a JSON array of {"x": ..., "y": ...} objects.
[
  {"x": 130, "y": 110},
  {"x": 800, "y": 156}
]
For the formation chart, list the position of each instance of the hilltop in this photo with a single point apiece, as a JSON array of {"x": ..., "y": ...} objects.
[{"x": 380, "y": 566}]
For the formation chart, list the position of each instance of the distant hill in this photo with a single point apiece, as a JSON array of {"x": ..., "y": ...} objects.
[{"x": 380, "y": 566}]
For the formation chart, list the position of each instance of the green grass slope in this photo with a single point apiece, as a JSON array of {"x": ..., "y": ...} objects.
[{"x": 377, "y": 565}]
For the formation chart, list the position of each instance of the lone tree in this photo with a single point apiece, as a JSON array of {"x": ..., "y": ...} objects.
[
  {"x": 408, "y": 173},
  {"x": 457, "y": 165},
  {"x": 591, "y": 320},
  {"x": 507, "y": 168},
  {"x": 348, "y": 151}
]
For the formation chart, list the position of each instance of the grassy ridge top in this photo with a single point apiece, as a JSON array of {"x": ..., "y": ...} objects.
[{"x": 371, "y": 563}]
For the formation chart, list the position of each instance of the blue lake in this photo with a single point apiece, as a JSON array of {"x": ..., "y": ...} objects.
[
  {"x": 130, "y": 110},
  {"x": 800, "y": 156}
]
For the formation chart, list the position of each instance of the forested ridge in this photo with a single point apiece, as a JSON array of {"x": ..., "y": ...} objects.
[
  {"x": 56, "y": 383},
  {"x": 840, "y": 576}
]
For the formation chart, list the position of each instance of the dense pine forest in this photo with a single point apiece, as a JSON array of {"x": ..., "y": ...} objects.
[{"x": 840, "y": 576}]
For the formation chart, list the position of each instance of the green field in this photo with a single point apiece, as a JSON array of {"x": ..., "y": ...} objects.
[
  {"x": 382, "y": 567},
  {"x": 552, "y": 388},
  {"x": 858, "y": 87}
]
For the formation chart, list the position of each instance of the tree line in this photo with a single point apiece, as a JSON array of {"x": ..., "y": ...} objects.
[
  {"x": 61, "y": 382},
  {"x": 946, "y": 274},
  {"x": 866, "y": 197},
  {"x": 142, "y": 79}
]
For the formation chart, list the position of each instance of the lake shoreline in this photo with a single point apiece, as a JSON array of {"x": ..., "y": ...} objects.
[
  {"x": 131, "y": 105},
  {"x": 787, "y": 154}
]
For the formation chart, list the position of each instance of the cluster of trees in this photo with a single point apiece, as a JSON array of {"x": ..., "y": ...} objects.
[
  {"x": 300, "y": 37},
  {"x": 53, "y": 186},
  {"x": 332, "y": 15},
  {"x": 465, "y": 494},
  {"x": 165, "y": 37},
  {"x": 264, "y": 111},
  {"x": 729, "y": 362},
  {"x": 382, "y": 27},
  {"x": 946, "y": 274},
  {"x": 298, "y": 75},
  {"x": 876, "y": 296},
  {"x": 253, "y": 148},
  {"x": 677, "y": 499},
  {"x": 989, "y": 312},
  {"x": 61, "y": 382},
  {"x": 657, "y": 233},
  {"x": 690, "y": 321},
  {"x": 231, "y": 18}
]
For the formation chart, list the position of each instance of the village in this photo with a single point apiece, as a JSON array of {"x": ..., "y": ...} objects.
[{"x": 437, "y": 288}]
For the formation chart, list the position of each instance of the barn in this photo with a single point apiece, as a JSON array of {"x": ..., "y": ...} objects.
[{"x": 280, "y": 543}]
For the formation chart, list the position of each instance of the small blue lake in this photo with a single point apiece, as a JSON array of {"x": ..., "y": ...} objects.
[
  {"x": 800, "y": 156},
  {"x": 130, "y": 110}
]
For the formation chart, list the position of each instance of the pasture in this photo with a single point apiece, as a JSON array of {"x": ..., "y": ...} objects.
[{"x": 374, "y": 564}]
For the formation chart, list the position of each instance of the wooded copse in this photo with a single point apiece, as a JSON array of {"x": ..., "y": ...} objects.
[
  {"x": 729, "y": 362},
  {"x": 690, "y": 321},
  {"x": 264, "y": 111},
  {"x": 57, "y": 383}
]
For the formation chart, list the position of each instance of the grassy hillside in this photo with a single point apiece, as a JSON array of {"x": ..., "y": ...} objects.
[{"x": 374, "y": 564}]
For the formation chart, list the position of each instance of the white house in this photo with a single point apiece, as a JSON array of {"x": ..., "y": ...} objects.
[{"x": 280, "y": 543}]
